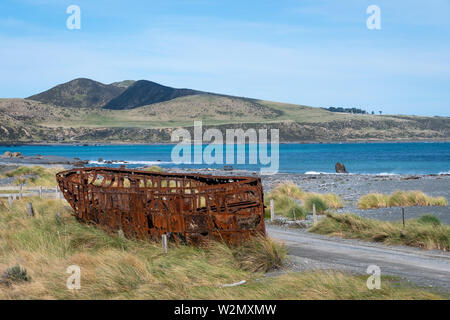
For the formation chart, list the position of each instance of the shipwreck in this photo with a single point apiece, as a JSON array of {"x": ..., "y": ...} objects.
[{"x": 188, "y": 208}]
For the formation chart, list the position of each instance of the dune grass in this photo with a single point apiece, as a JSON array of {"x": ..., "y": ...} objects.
[
  {"x": 289, "y": 189},
  {"x": 284, "y": 206},
  {"x": 429, "y": 219},
  {"x": 34, "y": 176},
  {"x": 399, "y": 199},
  {"x": 317, "y": 202},
  {"x": 424, "y": 233},
  {"x": 285, "y": 194},
  {"x": 36, "y": 252}
]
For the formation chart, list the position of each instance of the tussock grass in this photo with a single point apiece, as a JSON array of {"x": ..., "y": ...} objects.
[
  {"x": 34, "y": 176},
  {"x": 318, "y": 201},
  {"x": 261, "y": 254},
  {"x": 429, "y": 219},
  {"x": 373, "y": 200},
  {"x": 116, "y": 268},
  {"x": 285, "y": 194},
  {"x": 332, "y": 200},
  {"x": 416, "y": 233},
  {"x": 400, "y": 199},
  {"x": 284, "y": 206},
  {"x": 289, "y": 189}
]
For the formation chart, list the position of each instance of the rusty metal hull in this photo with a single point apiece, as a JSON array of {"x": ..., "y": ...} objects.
[{"x": 145, "y": 205}]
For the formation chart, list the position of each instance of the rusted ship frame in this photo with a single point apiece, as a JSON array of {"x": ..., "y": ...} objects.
[{"x": 186, "y": 207}]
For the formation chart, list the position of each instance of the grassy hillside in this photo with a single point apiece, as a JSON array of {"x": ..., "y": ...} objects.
[
  {"x": 145, "y": 92},
  {"x": 81, "y": 93},
  {"x": 27, "y": 121}
]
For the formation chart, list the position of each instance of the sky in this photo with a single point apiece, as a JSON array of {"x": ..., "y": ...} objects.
[{"x": 310, "y": 52}]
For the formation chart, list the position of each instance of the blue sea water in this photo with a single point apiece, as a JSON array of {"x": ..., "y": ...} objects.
[{"x": 369, "y": 158}]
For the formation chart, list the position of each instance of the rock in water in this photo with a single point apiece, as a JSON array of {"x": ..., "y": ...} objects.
[
  {"x": 340, "y": 168},
  {"x": 7, "y": 154}
]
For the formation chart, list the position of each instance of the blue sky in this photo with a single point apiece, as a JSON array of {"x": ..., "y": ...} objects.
[{"x": 317, "y": 53}]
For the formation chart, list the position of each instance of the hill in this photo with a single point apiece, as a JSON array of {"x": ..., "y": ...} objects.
[
  {"x": 25, "y": 121},
  {"x": 83, "y": 110},
  {"x": 145, "y": 92},
  {"x": 81, "y": 93}
]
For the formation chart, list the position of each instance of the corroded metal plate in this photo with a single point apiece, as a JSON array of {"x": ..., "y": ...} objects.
[{"x": 145, "y": 205}]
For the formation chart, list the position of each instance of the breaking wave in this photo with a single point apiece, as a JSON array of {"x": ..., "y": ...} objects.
[{"x": 151, "y": 163}]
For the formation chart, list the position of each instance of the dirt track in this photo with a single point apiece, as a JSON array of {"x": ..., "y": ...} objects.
[{"x": 310, "y": 251}]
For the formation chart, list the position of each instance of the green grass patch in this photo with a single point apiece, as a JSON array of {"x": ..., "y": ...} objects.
[
  {"x": 284, "y": 206},
  {"x": 417, "y": 232},
  {"x": 154, "y": 169},
  {"x": 429, "y": 219},
  {"x": 285, "y": 194},
  {"x": 34, "y": 176},
  {"x": 317, "y": 202}
]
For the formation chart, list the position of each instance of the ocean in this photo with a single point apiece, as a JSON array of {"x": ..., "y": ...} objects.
[{"x": 365, "y": 158}]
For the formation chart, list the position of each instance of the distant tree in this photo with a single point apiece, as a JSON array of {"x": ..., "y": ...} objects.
[
  {"x": 373, "y": 112},
  {"x": 380, "y": 112},
  {"x": 347, "y": 110}
]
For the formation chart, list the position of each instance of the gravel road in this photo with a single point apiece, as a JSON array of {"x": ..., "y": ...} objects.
[{"x": 311, "y": 251}]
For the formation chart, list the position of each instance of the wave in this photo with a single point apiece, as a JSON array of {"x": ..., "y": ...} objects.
[
  {"x": 319, "y": 172},
  {"x": 350, "y": 173},
  {"x": 151, "y": 163},
  {"x": 316, "y": 172},
  {"x": 385, "y": 174}
]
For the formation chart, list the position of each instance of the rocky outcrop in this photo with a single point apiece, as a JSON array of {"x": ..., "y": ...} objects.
[
  {"x": 340, "y": 168},
  {"x": 9, "y": 154}
]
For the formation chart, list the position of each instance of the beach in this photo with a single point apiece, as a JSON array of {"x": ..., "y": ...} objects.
[
  {"x": 351, "y": 187},
  {"x": 426, "y": 171}
]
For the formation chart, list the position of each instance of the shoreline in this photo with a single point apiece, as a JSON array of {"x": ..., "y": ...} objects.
[
  {"x": 87, "y": 144},
  {"x": 74, "y": 163},
  {"x": 350, "y": 187}
]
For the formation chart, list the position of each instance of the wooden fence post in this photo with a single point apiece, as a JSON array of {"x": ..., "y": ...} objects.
[
  {"x": 403, "y": 216},
  {"x": 30, "y": 209},
  {"x": 20, "y": 191},
  {"x": 314, "y": 214},
  {"x": 272, "y": 210},
  {"x": 10, "y": 201},
  {"x": 58, "y": 218},
  {"x": 40, "y": 192},
  {"x": 164, "y": 243}
]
